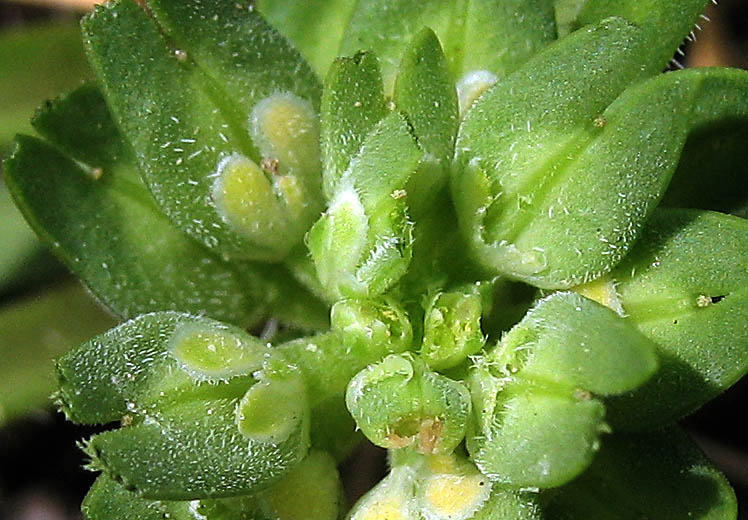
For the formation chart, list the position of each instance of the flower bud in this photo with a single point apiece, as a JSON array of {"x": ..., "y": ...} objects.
[{"x": 398, "y": 403}]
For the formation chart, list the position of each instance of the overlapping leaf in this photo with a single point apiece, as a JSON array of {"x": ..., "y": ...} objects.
[
  {"x": 100, "y": 220},
  {"x": 185, "y": 105},
  {"x": 684, "y": 286},
  {"x": 664, "y": 24},
  {"x": 477, "y": 34},
  {"x": 174, "y": 381},
  {"x": 537, "y": 414},
  {"x": 559, "y": 193}
]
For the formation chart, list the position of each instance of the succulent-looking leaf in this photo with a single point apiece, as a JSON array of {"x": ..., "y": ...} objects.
[
  {"x": 315, "y": 28},
  {"x": 659, "y": 475},
  {"x": 515, "y": 450},
  {"x": 101, "y": 221},
  {"x": 425, "y": 93},
  {"x": 399, "y": 403},
  {"x": 174, "y": 381},
  {"x": 107, "y": 500},
  {"x": 684, "y": 287},
  {"x": 665, "y": 23},
  {"x": 554, "y": 207},
  {"x": 187, "y": 106},
  {"x": 363, "y": 332},
  {"x": 352, "y": 104},
  {"x": 476, "y": 34},
  {"x": 362, "y": 245},
  {"x": 537, "y": 420},
  {"x": 290, "y": 498},
  {"x": 568, "y": 340},
  {"x": 712, "y": 169}
]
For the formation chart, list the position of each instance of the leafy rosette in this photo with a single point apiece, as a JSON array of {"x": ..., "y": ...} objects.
[{"x": 465, "y": 230}]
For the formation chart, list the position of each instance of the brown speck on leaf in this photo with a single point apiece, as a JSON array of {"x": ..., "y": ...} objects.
[
  {"x": 269, "y": 165},
  {"x": 600, "y": 121},
  {"x": 397, "y": 441},
  {"x": 428, "y": 435}
]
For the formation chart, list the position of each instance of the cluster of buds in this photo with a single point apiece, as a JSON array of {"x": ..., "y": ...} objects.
[{"x": 369, "y": 218}]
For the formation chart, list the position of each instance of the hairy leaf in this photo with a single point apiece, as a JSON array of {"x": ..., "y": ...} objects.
[
  {"x": 100, "y": 220},
  {"x": 684, "y": 286},
  {"x": 175, "y": 382},
  {"x": 426, "y": 94},
  {"x": 537, "y": 418},
  {"x": 560, "y": 192},
  {"x": 665, "y": 23},
  {"x": 205, "y": 120}
]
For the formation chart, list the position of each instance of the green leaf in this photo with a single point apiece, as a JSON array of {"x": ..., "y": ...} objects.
[
  {"x": 538, "y": 438},
  {"x": 386, "y": 27},
  {"x": 101, "y": 221},
  {"x": 660, "y": 475},
  {"x": 557, "y": 207},
  {"x": 363, "y": 332},
  {"x": 315, "y": 28},
  {"x": 399, "y": 403},
  {"x": 225, "y": 134},
  {"x": 107, "y": 500},
  {"x": 492, "y": 35},
  {"x": 712, "y": 167},
  {"x": 516, "y": 138},
  {"x": 426, "y": 94},
  {"x": 35, "y": 330},
  {"x": 352, "y": 104},
  {"x": 497, "y": 36},
  {"x": 568, "y": 340},
  {"x": 132, "y": 366},
  {"x": 193, "y": 450},
  {"x": 283, "y": 500},
  {"x": 684, "y": 286},
  {"x": 537, "y": 421},
  {"x": 36, "y": 62},
  {"x": 175, "y": 382},
  {"x": 362, "y": 245},
  {"x": 664, "y": 24}
]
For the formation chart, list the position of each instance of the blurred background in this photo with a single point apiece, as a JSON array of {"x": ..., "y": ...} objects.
[{"x": 40, "y": 304}]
